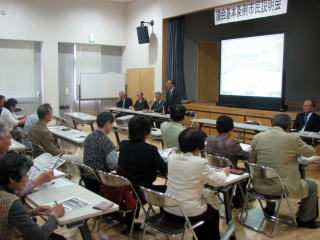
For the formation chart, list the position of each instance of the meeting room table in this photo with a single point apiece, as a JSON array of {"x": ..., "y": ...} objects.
[{"x": 63, "y": 189}]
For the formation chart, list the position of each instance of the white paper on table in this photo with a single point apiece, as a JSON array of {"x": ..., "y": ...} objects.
[
  {"x": 70, "y": 204},
  {"x": 245, "y": 147},
  {"x": 306, "y": 160}
]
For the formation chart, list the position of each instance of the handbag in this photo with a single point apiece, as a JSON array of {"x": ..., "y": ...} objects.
[{"x": 123, "y": 196}]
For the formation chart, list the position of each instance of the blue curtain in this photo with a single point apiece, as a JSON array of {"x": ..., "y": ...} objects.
[{"x": 175, "y": 49}]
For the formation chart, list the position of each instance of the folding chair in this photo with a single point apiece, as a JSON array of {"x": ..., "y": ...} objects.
[
  {"x": 117, "y": 181},
  {"x": 164, "y": 225},
  {"x": 262, "y": 172}
]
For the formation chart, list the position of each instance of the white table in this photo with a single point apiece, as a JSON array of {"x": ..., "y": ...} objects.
[
  {"x": 251, "y": 127},
  {"x": 74, "y": 136},
  {"x": 149, "y": 114},
  {"x": 82, "y": 118},
  {"x": 16, "y": 146},
  {"x": 57, "y": 193}
]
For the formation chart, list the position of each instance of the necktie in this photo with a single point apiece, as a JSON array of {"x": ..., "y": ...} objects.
[
  {"x": 123, "y": 101},
  {"x": 305, "y": 120}
]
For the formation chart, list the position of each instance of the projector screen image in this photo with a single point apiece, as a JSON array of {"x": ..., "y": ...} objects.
[{"x": 252, "y": 66}]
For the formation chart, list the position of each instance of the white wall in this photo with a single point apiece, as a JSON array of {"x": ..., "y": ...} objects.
[
  {"x": 53, "y": 21},
  {"x": 150, "y": 55}
]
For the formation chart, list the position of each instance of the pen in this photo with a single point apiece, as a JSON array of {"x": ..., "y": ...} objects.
[{"x": 55, "y": 203}]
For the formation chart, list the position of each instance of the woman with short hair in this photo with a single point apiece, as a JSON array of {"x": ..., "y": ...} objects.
[
  {"x": 8, "y": 117},
  {"x": 188, "y": 173},
  {"x": 16, "y": 222}
]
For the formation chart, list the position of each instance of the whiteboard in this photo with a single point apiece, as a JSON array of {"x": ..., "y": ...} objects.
[{"x": 101, "y": 85}]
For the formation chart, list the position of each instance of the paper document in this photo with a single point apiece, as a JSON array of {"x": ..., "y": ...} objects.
[
  {"x": 71, "y": 204},
  {"x": 44, "y": 163}
]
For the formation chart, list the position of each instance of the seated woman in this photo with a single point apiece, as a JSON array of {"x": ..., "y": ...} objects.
[
  {"x": 139, "y": 161},
  {"x": 187, "y": 175},
  {"x": 9, "y": 118},
  {"x": 16, "y": 222},
  {"x": 225, "y": 146}
]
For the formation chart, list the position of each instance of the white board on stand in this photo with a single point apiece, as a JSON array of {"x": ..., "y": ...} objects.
[{"x": 101, "y": 85}]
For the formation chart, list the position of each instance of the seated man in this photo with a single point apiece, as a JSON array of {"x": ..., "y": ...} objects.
[
  {"x": 171, "y": 130},
  {"x": 308, "y": 120},
  {"x": 157, "y": 105},
  {"x": 223, "y": 145},
  {"x": 140, "y": 104},
  {"x": 99, "y": 151},
  {"x": 33, "y": 118},
  {"x": 279, "y": 150},
  {"x": 39, "y": 133},
  {"x": 124, "y": 101}
]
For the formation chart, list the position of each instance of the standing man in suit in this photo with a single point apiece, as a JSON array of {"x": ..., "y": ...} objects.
[
  {"x": 124, "y": 101},
  {"x": 172, "y": 95},
  {"x": 278, "y": 149},
  {"x": 157, "y": 105},
  {"x": 141, "y": 103}
]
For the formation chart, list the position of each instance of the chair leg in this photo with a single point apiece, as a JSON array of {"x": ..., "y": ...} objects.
[
  {"x": 276, "y": 220},
  {"x": 182, "y": 237},
  {"x": 291, "y": 211},
  {"x": 132, "y": 223},
  {"x": 244, "y": 207},
  {"x": 144, "y": 232}
]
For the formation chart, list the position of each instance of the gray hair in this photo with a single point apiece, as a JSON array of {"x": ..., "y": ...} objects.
[
  {"x": 282, "y": 120},
  {"x": 158, "y": 93},
  {"x": 3, "y": 130}
]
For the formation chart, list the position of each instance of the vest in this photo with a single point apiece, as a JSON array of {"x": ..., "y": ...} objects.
[{"x": 6, "y": 201}]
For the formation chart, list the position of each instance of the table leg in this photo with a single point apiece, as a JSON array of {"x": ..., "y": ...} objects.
[
  {"x": 117, "y": 136},
  {"x": 74, "y": 124},
  {"x": 227, "y": 191},
  {"x": 302, "y": 170},
  {"x": 85, "y": 232},
  {"x": 200, "y": 126},
  {"x": 91, "y": 125}
]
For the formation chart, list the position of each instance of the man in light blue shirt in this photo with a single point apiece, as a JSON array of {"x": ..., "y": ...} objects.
[{"x": 33, "y": 118}]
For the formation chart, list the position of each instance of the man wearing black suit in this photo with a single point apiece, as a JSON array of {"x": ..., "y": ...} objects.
[
  {"x": 172, "y": 95},
  {"x": 141, "y": 103},
  {"x": 308, "y": 120},
  {"x": 157, "y": 105},
  {"x": 124, "y": 101}
]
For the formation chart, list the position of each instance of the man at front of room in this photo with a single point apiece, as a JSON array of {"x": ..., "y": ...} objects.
[
  {"x": 308, "y": 120},
  {"x": 141, "y": 103},
  {"x": 172, "y": 95}
]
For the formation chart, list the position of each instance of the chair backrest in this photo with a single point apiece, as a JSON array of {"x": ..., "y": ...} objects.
[
  {"x": 36, "y": 147},
  {"x": 80, "y": 169},
  {"x": 60, "y": 121},
  {"x": 262, "y": 172},
  {"x": 218, "y": 161},
  {"x": 159, "y": 199},
  {"x": 113, "y": 180}
]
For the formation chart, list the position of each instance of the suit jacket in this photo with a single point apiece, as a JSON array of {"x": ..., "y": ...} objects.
[
  {"x": 141, "y": 104},
  {"x": 280, "y": 150},
  {"x": 127, "y": 103},
  {"x": 172, "y": 99},
  {"x": 39, "y": 134},
  {"x": 140, "y": 162},
  {"x": 157, "y": 106},
  {"x": 313, "y": 124}
]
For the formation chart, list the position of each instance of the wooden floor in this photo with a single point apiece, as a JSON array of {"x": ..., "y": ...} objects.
[{"x": 284, "y": 232}]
